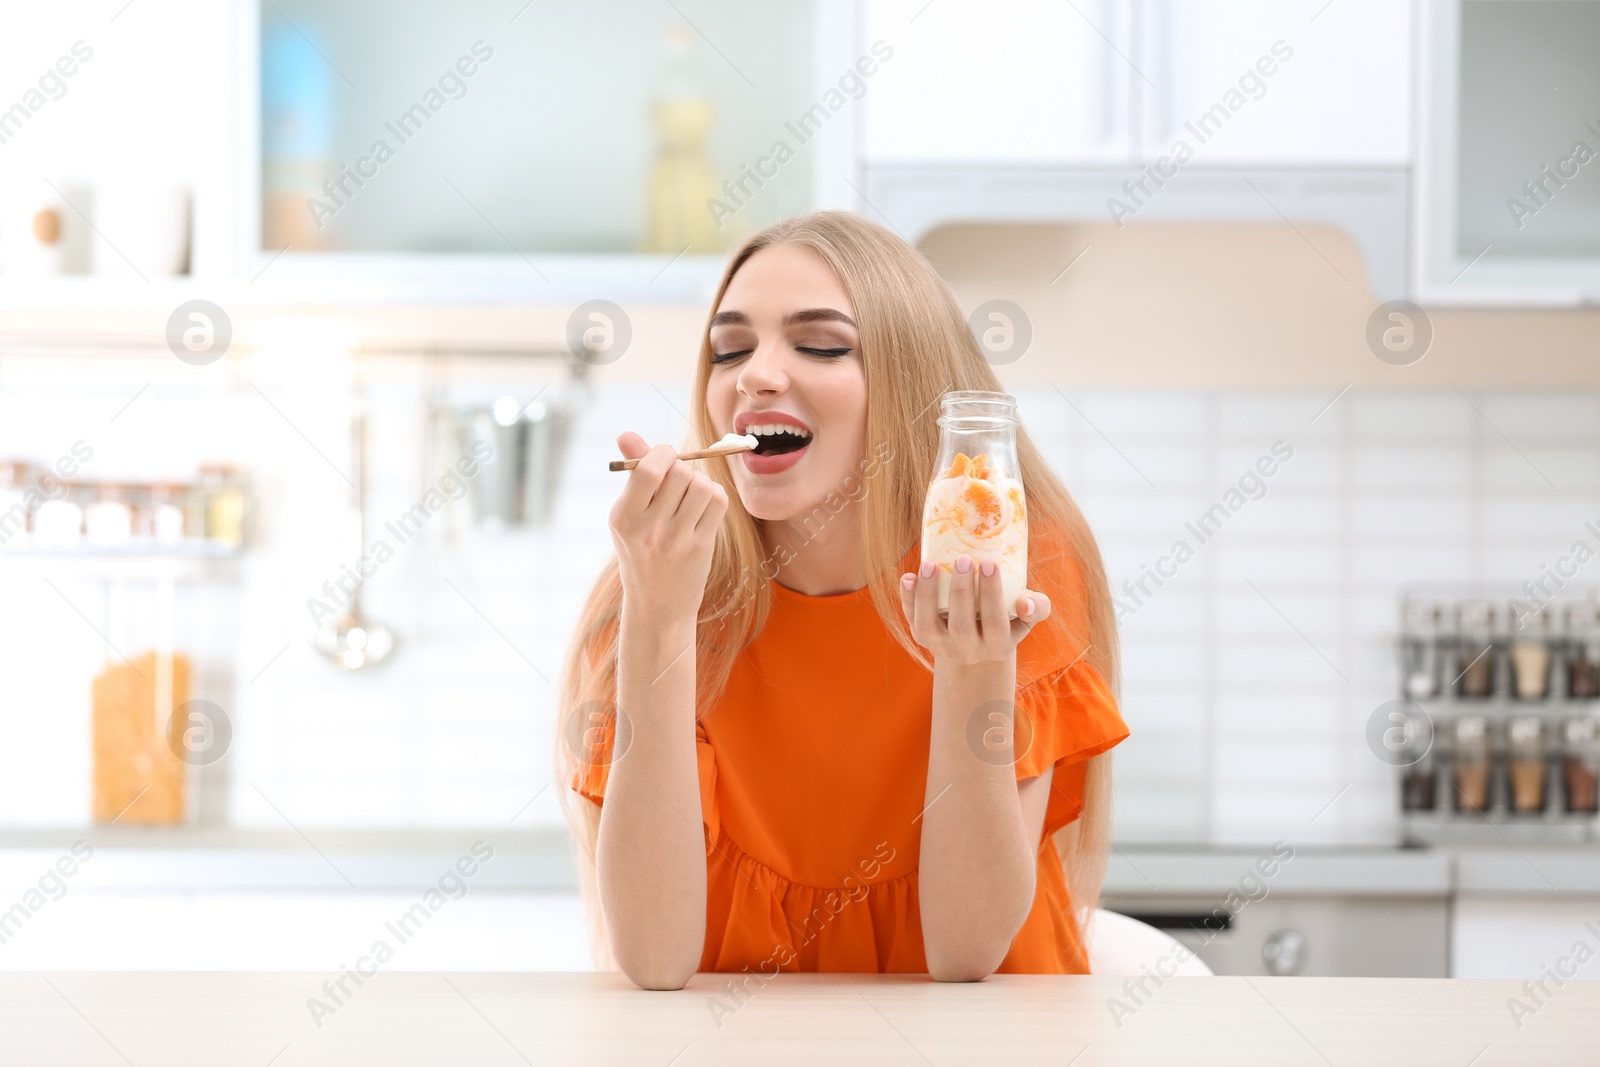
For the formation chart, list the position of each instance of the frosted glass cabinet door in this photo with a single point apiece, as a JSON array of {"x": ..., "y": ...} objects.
[
  {"x": 1280, "y": 81},
  {"x": 1008, "y": 81},
  {"x": 564, "y": 127}
]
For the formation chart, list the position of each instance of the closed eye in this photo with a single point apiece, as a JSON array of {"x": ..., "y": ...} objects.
[{"x": 827, "y": 353}]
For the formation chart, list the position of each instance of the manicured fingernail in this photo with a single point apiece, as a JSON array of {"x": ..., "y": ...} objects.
[
  {"x": 907, "y": 581},
  {"x": 963, "y": 564},
  {"x": 928, "y": 567},
  {"x": 988, "y": 568},
  {"x": 1027, "y": 611}
]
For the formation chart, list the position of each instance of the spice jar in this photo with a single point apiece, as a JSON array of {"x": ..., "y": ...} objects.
[
  {"x": 224, "y": 504},
  {"x": 1580, "y": 764},
  {"x": 13, "y": 502},
  {"x": 166, "y": 515},
  {"x": 1417, "y": 786},
  {"x": 975, "y": 504},
  {"x": 1419, "y": 648},
  {"x": 1525, "y": 749},
  {"x": 108, "y": 522},
  {"x": 1583, "y": 651},
  {"x": 1472, "y": 765},
  {"x": 1475, "y": 620},
  {"x": 1530, "y": 655},
  {"x": 57, "y": 523}
]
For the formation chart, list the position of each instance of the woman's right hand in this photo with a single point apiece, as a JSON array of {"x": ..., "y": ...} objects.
[{"x": 664, "y": 527}]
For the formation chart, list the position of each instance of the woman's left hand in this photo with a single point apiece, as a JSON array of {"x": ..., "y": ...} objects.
[{"x": 977, "y": 629}]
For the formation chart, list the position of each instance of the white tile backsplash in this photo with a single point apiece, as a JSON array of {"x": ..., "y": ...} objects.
[{"x": 1247, "y": 704}]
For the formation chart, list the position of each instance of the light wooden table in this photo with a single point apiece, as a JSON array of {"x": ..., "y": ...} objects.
[{"x": 257, "y": 1019}]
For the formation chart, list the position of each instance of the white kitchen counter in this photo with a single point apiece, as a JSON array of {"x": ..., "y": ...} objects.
[
  {"x": 1572, "y": 870},
  {"x": 198, "y": 859},
  {"x": 1332, "y": 872},
  {"x": 396, "y": 1018},
  {"x": 541, "y": 859}
]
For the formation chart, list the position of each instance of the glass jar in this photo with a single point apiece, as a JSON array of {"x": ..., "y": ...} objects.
[
  {"x": 1525, "y": 751},
  {"x": 13, "y": 502},
  {"x": 975, "y": 503},
  {"x": 1583, "y": 651},
  {"x": 166, "y": 518},
  {"x": 1419, "y": 648},
  {"x": 108, "y": 522},
  {"x": 1472, "y": 764},
  {"x": 1580, "y": 764},
  {"x": 224, "y": 504},
  {"x": 1529, "y": 654},
  {"x": 58, "y": 523},
  {"x": 1475, "y": 621},
  {"x": 1417, "y": 787}
]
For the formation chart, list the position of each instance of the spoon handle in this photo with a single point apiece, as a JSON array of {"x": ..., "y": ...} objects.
[{"x": 704, "y": 453}]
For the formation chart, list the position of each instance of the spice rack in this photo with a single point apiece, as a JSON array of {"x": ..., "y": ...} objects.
[
  {"x": 1506, "y": 747},
  {"x": 42, "y": 514},
  {"x": 149, "y": 566}
]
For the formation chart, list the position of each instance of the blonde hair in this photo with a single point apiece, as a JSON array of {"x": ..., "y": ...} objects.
[{"x": 914, "y": 346}]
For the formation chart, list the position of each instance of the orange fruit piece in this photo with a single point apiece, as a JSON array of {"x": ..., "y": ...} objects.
[
  {"x": 958, "y": 466},
  {"x": 1016, "y": 502},
  {"x": 985, "y": 505}
]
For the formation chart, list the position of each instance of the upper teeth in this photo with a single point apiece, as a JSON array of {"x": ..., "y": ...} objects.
[{"x": 776, "y": 427}]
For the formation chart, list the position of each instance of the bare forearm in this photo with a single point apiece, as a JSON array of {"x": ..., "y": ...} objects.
[
  {"x": 977, "y": 867},
  {"x": 651, "y": 848}
]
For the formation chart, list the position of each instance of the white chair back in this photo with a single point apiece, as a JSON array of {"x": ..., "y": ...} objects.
[{"x": 1118, "y": 945}]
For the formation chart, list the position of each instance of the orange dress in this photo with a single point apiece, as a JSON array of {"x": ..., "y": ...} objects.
[{"x": 813, "y": 767}]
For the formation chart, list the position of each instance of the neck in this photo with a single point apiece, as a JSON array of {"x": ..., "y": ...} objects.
[{"x": 817, "y": 560}]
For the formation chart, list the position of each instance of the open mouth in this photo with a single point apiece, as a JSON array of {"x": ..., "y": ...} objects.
[{"x": 778, "y": 439}]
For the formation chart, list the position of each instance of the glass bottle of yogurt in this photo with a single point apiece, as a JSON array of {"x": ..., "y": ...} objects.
[{"x": 975, "y": 503}]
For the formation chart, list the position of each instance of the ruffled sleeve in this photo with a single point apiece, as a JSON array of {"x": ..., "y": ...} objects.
[
  {"x": 1066, "y": 711},
  {"x": 595, "y": 757}
]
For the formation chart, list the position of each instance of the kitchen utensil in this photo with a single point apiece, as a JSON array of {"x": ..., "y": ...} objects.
[
  {"x": 352, "y": 640},
  {"x": 526, "y": 445},
  {"x": 702, "y": 453}
]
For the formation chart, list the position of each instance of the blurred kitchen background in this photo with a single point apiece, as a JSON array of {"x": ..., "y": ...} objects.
[{"x": 303, "y": 297}]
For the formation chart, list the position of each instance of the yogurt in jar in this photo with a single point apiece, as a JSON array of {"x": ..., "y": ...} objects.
[{"x": 973, "y": 509}]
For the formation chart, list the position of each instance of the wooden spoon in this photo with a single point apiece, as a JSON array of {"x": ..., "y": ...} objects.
[{"x": 704, "y": 453}]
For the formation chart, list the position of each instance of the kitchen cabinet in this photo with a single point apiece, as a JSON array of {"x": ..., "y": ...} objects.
[
  {"x": 1508, "y": 190},
  {"x": 1328, "y": 936},
  {"x": 1526, "y": 936},
  {"x": 1118, "y": 81},
  {"x": 1139, "y": 111},
  {"x": 548, "y": 152},
  {"x": 1023, "y": 82},
  {"x": 1276, "y": 83}
]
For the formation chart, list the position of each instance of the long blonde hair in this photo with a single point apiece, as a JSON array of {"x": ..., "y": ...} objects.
[{"x": 914, "y": 346}]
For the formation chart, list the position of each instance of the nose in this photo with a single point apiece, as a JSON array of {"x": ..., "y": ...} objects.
[{"x": 763, "y": 373}]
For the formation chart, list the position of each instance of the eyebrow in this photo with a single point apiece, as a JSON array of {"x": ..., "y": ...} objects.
[{"x": 739, "y": 318}]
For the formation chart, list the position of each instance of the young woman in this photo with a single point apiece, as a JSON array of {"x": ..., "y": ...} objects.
[{"x": 767, "y": 727}]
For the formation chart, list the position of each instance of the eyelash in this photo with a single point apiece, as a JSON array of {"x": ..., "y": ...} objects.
[{"x": 826, "y": 353}]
